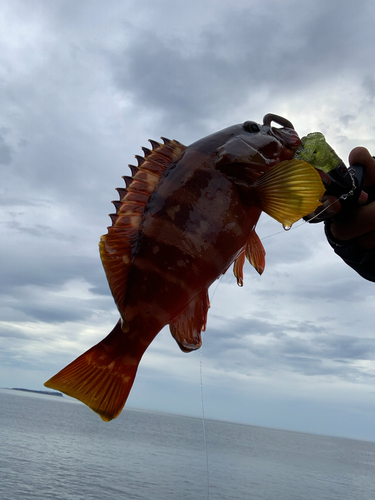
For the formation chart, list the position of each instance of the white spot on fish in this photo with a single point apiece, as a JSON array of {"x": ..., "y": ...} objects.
[
  {"x": 173, "y": 211},
  {"x": 152, "y": 180},
  {"x": 135, "y": 220},
  {"x": 204, "y": 226}
]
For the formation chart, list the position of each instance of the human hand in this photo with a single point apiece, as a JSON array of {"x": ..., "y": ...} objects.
[{"x": 359, "y": 224}]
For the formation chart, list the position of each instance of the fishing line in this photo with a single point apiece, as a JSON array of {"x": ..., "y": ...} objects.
[
  {"x": 201, "y": 357},
  {"x": 204, "y": 426},
  {"x": 216, "y": 287}
]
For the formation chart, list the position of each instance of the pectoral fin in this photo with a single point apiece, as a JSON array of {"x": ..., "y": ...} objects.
[
  {"x": 187, "y": 326},
  {"x": 289, "y": 190}
]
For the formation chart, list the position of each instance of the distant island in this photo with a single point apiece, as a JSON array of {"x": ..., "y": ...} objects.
[{"x": 49, "y": 393}]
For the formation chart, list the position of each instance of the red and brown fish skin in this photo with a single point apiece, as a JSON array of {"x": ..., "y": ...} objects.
[{"x": 186, "y": 215}]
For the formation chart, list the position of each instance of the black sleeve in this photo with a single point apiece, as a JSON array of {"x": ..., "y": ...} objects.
[{"x": 359, "y": 259}]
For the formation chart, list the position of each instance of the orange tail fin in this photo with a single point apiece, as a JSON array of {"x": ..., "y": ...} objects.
[{"x": 101, "y": 377}]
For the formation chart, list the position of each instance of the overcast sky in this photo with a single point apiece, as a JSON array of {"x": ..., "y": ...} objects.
[{"x": 84, "y": 85}]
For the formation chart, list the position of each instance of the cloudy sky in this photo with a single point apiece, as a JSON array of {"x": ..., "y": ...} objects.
[{"x": 84, "y": 85}]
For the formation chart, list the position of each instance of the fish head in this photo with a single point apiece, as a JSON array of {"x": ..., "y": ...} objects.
[{"x": 250, "y": 148}]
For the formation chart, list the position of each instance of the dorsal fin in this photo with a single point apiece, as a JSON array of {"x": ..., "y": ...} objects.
[
  {"x": 121, "y": 192},
  {"x": 154, "y": 144},
  {"x": 133, "y": 169},
  {"x": 140, "y": 160},
  {"x": 116, "y": 246}
]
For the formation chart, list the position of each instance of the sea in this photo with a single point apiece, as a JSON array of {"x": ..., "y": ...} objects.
[{"x": 54, "y": 448}]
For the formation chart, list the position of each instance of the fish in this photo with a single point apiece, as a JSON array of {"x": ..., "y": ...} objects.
[{"x": 185, "y": 215}]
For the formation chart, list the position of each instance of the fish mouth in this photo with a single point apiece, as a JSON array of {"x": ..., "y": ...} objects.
[{"x": 285, "y": 134}]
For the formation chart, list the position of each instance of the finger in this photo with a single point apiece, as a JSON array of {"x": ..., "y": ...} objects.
[{"x": 363, "y": 156}]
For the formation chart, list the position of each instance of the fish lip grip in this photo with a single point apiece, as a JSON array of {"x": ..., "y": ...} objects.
[
  {"x": 270, "y": 117},
  {"x": 286, "y": 134}
]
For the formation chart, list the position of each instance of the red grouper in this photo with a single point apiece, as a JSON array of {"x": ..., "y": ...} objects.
[{"x": 186, "y": 215}]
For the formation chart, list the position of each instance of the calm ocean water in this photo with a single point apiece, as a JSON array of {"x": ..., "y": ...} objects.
[{"x": 53, "y": 448}]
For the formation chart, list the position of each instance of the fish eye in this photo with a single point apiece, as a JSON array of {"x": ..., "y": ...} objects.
[{"x": 251, "y": 127}]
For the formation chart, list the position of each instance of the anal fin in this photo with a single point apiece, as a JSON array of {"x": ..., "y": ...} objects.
[
  {"x": 187, "y": 326},
  {"x": 101, "y": 377}
]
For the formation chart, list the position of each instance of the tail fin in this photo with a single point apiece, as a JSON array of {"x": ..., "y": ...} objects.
[{"x": 101, "y": 377}]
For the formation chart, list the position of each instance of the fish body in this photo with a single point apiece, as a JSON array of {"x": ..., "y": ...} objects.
[
  {"x": 193, "y": 226},
  {"x": 186, "y": 215}
]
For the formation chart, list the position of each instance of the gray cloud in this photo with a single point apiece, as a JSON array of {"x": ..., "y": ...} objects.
[
  {"x": 81, "y": 95},
  {"x": 6, "y": 151},
  {"x": 45, "y": 271},
  {"x": 250, "y": 345},
  {"x": 186, "y": 81},
  {"x": 56, "y": 313},
  {"x": 369, "y": 86}
]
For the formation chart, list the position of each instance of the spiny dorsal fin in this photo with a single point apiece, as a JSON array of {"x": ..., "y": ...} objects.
[
  {"x": 121, "y": 192},
  {"x": 116, "y": 246}
]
